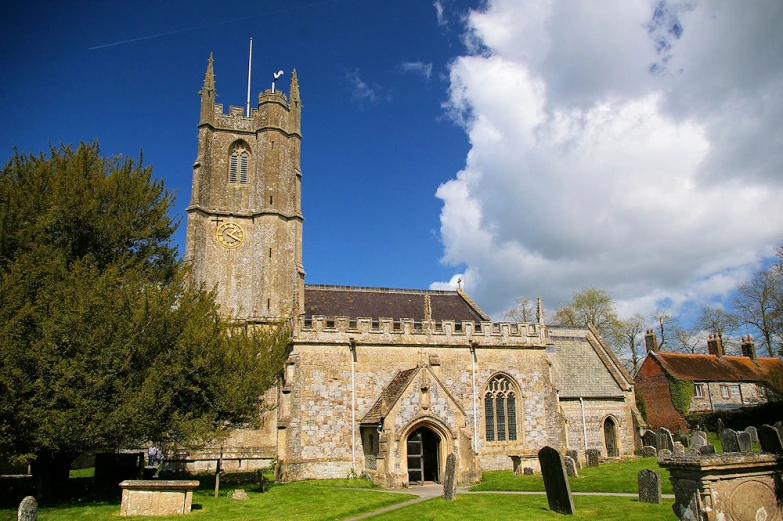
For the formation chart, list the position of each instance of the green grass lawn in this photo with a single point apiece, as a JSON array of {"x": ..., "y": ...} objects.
[
  {"x": 306, "y": 501},
  {"x": 499, "y": 507},
  {"x": 615, "y": 476}
]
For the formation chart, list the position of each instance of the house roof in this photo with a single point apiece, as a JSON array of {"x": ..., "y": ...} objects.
[
  {"x": 355, "y": 302},
  {"x": 584, "y": 366},
  {"x": 711, "y": 368}
]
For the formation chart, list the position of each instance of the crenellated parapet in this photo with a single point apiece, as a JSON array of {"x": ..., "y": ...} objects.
[{"x": 407, "y": 331}]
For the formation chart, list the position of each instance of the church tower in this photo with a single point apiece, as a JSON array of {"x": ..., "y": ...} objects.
[{"x": 244, "y": 232}]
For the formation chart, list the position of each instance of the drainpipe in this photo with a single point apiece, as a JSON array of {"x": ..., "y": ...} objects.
[
  {"x": 352, "y": 346},
  {"x": 709, "y": 393},
  {"x": 742, "y": 400},
  {"x": 584, "y": 423},
  {"x": 473, "y": 376}
]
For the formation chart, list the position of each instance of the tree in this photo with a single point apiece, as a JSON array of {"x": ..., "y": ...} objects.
[
  {"x": 632, "y": 331},
  {"x": 756, "y": 302},
  {"x": 687, "y": 340},
  {"x": 718, "y": 322},
  {"x": 590, "y": 306},
  {"x": 662, "y": 321},
  {"x": 103, "y": 343},
  {"x": 524, "y": 311}
]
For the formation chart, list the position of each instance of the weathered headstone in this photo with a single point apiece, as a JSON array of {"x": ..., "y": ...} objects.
[
  {"x": 679, "y": 448},
  {"x": 650, "y": 439},
  {"x": 664, "y": 454},
  {"x": 528, "y": 471},
  {"x": 719, "y": 426},
  {"x": 570, "y": 466},
  {"x": 558, "y": 490},
  {"x": 700, "y": 433},
  {"x": 574, "y": 455},
  {"x": 28, "y": 509},
  {"x": 729, "y": 440},
  {"x": 649, "y": 452},
  {"x": 692, "y": 453},
  {"x": 769, "y": 439},
  {"x": 707, "y": 449},
  {"x": 450, "y": 481},
  {"x": 239, "y": 494},
  {"x": 754, "y": 435},
  {"x": 698, "y": 441},
  {"x": 744, "y": 441},
  {"x": 593, "y": 455},
  {"x": 685, "y": 442},
  {"x": 665, "y": 440},
  {"x": 649, "y": 486}
]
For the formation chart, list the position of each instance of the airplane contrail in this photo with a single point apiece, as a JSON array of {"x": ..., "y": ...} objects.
[{"x": 186, "y": 29}]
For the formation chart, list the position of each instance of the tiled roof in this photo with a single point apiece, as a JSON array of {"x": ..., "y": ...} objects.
[
  {"x": 710, "y": 368},
  {"x": 389, "y": 396},
  {"x": 355, "y": 302},
  {"x": 578, "y": 370}
]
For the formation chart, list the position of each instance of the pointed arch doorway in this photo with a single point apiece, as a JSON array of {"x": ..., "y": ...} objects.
[
  {"x": 610, "y": 438},
  {"x": 423, "y": 446}
]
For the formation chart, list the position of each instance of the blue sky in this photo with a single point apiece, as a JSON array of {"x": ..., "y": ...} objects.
[{"x": 529, "y": 148}]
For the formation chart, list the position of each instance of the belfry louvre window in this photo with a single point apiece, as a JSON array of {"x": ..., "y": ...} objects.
[
  {"x": 500, "y": 410},
  {"x": 237, "y": 166}
]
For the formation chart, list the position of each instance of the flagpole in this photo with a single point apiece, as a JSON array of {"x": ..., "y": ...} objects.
[{"x": 249, "y": 63}]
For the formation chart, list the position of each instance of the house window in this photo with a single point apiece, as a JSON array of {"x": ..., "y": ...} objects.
[
  {"x": 698, "y": 391},
  {"x": 238, "y": 165},
  {"x": 500, "y": 410},
  {"x": 734, "y": 389},
  {"x": 724, "y": 391},
  {"x": 762, "y": 392}
]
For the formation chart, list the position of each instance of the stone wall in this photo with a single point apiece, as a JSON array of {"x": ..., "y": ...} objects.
[
  {"x": 740, "y": 394},
  {"x": 596, "y": 411}
]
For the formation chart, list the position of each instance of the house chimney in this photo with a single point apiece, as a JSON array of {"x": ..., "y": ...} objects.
[
  {"x": 650, "y": 341},
  {"x": 714, "y": 346},
  {"x": 748, "y": 347}
]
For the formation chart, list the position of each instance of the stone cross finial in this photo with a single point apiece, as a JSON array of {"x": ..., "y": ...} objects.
[{"x": 459, "y": 283}]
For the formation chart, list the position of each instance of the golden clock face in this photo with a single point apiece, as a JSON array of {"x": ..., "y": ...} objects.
[{"x": 230, "y": 235}]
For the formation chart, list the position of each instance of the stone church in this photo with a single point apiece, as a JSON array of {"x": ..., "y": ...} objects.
[{"x": 380, "y": 382}]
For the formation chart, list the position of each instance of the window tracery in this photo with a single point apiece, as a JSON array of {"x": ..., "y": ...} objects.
[{"x": 500, "y": 410}]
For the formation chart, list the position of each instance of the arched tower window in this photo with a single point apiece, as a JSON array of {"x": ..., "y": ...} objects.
[
  {"x": 238, "y": 165},
  {"x": 500, "y": 410}
]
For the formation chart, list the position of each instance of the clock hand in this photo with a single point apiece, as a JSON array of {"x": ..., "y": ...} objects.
[{"x": 231, "y": 234}]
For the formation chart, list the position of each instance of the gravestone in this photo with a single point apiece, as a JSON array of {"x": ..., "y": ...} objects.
[
  {"x": 239, "y": 494},
  {"x": 679, "y": 448},
  {"x": 450, "y": 482},
  {"x": 698, "y": 441},
  {"x": 650, "y": 439},
  {"x": 649, "y": 452},
  {"x": 692, "y": 453},
  {"x": 570, "y": 465},
  {"x": 707, "y": 449},
  {"x": 769, "y": 439},
  {"x": 664, "y": 454},
  {"x": 700, "y": 433},
  {"x": 665, "y": 440},
  {"x": 574, "y": 455},
  {"x": 558, "y": 490},
  {"x": 528, "y": 471},
  {"x": 719, "y": 426},
  {"x": 729, "y": 440},
  {"x": 28, "y": 509},
  {"x": 685, "y": 442},
  {"x": 754, "y": 435},
  {"x": 744, "y": 441},
  {"x": 592, "y": 457},
  {"x": 649, "y": 486}
]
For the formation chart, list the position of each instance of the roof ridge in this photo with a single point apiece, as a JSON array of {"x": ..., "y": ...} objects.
[{"x": 333, "y": 287}]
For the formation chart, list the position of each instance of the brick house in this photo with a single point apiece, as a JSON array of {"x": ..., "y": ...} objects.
[{"x": 719, "y": 381}]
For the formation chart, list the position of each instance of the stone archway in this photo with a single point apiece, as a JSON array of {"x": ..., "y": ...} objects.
[
  {"x": 423, "y": 456},
  {"x": 610, "y": 437}
]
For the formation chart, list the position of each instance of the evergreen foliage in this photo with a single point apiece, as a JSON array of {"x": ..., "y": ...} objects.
[
  {"x": 103, "y": 343},
  {"x": 682, "y": 394},
  {"x": 641, "y": 406}
]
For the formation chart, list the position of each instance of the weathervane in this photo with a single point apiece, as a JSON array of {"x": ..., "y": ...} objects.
[{"x": 275, "y": 77}]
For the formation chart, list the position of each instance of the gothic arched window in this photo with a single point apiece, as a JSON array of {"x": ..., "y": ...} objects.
[
  {"x": 237, "y": 166},
  {"x": 500, "y": 410}
]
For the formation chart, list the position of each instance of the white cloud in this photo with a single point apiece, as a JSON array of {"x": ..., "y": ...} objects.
[
  {"x": 420, "y": 68},
  {"x": 362, "y": 91},
  {"x": 634, "y": 147},
  {"x": 441, "y": 19}
]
